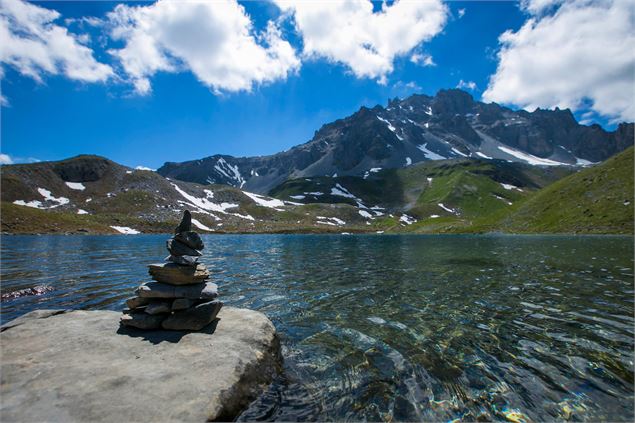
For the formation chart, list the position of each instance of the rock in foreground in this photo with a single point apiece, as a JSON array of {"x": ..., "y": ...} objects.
[{"x": 81, "y": 366}]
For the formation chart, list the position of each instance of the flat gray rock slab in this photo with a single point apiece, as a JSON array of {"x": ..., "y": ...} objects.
[{"x": 79, "y": 366}]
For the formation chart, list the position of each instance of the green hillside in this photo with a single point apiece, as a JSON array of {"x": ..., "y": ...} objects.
[
  {"x": 598, "y": 199},
  {"x": 447, "y": 195}
]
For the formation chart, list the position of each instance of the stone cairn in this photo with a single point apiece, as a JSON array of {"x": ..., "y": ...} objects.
[{"x": 180, "y": 298}]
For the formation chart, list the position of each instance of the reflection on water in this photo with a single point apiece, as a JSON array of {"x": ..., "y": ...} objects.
[{"x": 393, "y": 327}]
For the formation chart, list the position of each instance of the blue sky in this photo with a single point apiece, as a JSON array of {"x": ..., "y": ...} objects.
[{"x": 175, "y": 108}]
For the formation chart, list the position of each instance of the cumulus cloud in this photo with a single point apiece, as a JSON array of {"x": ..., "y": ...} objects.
[
  {"x": 349, "y": 32},
  {"x": 470, "y": 85},
  {"x": 33, "y": 44},
  {"x": 213, "y": 40},
  {"x": 571, "y": 54}
]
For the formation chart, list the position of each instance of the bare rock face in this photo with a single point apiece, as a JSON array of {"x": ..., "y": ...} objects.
[{"x": 78, "y": 366}]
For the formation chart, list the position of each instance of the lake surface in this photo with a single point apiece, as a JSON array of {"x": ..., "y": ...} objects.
[{"x": 430, "y": 328}]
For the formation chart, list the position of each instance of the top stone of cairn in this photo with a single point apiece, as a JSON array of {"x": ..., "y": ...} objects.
[{"x": 182, "y": 267}]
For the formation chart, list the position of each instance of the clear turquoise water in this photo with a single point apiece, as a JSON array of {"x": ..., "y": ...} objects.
[{"x": 428, "y": 328}]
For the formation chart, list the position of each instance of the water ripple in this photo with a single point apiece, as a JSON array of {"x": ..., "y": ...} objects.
[{"x": 395, "y": 327}]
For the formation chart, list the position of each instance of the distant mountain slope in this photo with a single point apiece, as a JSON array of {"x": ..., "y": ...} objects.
[
  {"x": 94, "y": 194},
  {"x": 595, "y": 200},
  {"x": 419, "y": 128}
]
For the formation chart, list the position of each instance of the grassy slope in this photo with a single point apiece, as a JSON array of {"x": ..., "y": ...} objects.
[
  {"x": 598, "y": 199},
  {"x": 469, "y": 186}
]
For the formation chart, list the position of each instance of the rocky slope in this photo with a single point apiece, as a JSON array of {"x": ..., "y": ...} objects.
[
  {"x": 419, "y": 128},
  {"x": 93, "y": 194}
]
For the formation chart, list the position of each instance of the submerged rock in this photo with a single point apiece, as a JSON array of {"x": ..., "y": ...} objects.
[
  {"x": 36, "y": 290},
  {"x": 80, "y": 366}
]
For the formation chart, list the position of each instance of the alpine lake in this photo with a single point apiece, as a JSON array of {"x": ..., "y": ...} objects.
[{"x": 392, "y": 327}]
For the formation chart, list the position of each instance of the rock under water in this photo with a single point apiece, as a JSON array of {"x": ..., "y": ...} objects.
[{"x": 81, "y": 366}]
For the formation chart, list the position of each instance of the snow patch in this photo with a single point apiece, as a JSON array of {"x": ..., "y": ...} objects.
[
  {"x": 434, "y": 216},
  {"x": 431, "y": 155},
  {"x": 392, "y": 128},
  {"x": 204, "y": 203},
  {"x": 34, "y": 204},
  {"x": 333, "y": 221},
  {"x": 408, "y": 220},
  {"x": 459, "y": 152},
  {"x": 144, "y": 168},
  {"x": 408, "y": 161},
  {"x": 76, "y": 186},
  {"x": 365, "y": 214},
  {"x": 341, "y": 192},
  {"x": 297, "y": 197},
  {"x": 125, "y": 230},
  {"x": 478, "y": 153},
  {"x": 531, "y": 159},
  {"x": 371, "y": 170},
  {"x": 509, "y": 203},
  {"x": 447, "y": 209},
  {"x": 229, "y": 171},
  {"x": 583, "y": 162},
  {"x": 201, "y": 226},
  {"x": 510, "y": 187},
  {"x": 272, "y": 203},
  {"x": 80, "y": 211}
]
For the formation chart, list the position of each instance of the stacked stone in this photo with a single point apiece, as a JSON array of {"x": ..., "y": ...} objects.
[{"x": 180, "y": 298}]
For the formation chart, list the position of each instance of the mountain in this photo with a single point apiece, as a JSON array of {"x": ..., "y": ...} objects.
[
  {"x": 419, "y": 128},
  {"x": 93, "y": 194}
]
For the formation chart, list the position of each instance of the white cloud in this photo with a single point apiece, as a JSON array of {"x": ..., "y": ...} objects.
[
  {"x": 422, "y": 59},
  {"x": 5, "y": 159},
  {"x": 575, "y": 55},
  {"x": 537, "y": 7},
  {"x": 461, "y": 13},
  {"x": 404, "y": 89},
  {"x": 470, "y": 85},
  {"x": 348, "y": 32},
  {"x": 34, "y": 45},
  {"x": 213, "y": 40}
]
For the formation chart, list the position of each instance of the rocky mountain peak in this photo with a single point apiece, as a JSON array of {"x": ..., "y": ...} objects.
[{"x": 450, "y": 125}]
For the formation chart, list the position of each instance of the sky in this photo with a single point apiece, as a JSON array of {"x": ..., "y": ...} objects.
[{"x": 143, "y": 83}]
